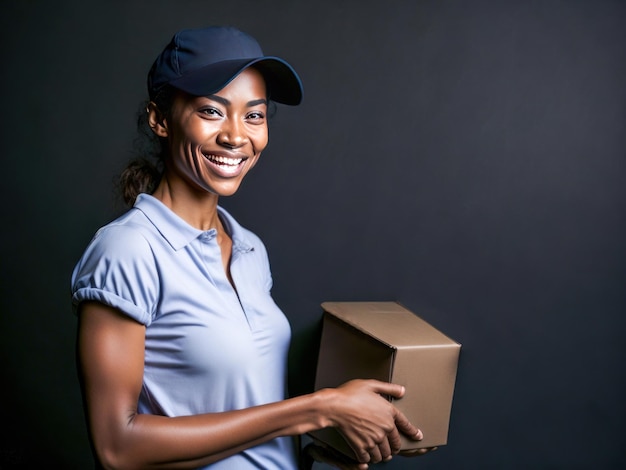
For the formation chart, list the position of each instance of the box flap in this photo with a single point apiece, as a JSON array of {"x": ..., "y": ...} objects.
[
  {"x": 352, "y": 353},
  {"x": 398, "y": 327}
]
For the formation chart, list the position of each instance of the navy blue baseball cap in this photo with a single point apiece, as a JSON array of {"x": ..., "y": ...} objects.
[{"x": 203, "y": 61}]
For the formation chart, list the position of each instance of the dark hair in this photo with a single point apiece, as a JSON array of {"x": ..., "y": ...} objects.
[{"x": 144, "y": 171}]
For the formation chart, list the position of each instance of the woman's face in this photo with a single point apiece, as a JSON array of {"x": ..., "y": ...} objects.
[{"x": 215, "y": 140}]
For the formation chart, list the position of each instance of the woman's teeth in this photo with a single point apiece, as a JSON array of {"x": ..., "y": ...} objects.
[{"x": 224, "y": 160}]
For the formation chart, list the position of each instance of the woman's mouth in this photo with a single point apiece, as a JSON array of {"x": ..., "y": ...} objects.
[{"x": 226, "y": 166}]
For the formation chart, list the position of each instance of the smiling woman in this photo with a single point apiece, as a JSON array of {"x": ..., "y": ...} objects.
[
  {"x": 213, "y": 141},
  {"x": 181, "y": 349}
]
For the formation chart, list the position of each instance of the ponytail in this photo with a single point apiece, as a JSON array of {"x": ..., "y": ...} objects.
[{"x": 141, "y": 175}]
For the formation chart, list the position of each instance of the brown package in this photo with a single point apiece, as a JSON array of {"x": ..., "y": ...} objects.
[{"x": 385, "y": 341}]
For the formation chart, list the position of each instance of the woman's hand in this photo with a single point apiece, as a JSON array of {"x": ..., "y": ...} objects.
[
  {"x": 416, "y": 452},
  {"x": 368, "y": 421}
]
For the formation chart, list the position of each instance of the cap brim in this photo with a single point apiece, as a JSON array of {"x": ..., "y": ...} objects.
[{"x": 282, "y": 82}]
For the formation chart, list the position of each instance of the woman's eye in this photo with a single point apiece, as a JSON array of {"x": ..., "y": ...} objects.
[
  {"x": 210, "y": 112},
  {"x": 256, "y": 116}
]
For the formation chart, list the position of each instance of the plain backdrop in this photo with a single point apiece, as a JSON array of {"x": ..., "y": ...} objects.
[{"x": 466, "y": 159}]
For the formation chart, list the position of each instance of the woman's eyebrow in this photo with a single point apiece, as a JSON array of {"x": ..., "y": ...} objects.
[
  {"x": 257, "y": 102},
  {"x": 219, "y": 99},
  {"x": 226, "y": 102}
]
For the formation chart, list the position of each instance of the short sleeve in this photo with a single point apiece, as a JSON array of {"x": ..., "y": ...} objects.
[{"x": 118, "y": 269}]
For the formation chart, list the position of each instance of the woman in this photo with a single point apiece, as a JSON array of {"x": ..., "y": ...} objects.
[{"x": 181, "y": 350}]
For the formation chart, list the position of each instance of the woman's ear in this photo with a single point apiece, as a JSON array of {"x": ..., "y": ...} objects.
[{"x": 156, "y": 120}]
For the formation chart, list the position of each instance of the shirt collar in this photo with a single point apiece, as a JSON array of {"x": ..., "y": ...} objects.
[{"x": 179, "y": 233}]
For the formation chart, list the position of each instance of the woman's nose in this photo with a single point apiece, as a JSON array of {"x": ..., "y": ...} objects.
[{"x": 232, "y": 134}]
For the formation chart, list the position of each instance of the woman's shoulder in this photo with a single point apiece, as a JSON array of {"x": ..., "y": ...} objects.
[
  {"x": 118, "y": 249},
  {"x": 129, "y": 234}
]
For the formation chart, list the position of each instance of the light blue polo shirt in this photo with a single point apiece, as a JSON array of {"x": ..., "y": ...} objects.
[{"x": 209, "y": 348}]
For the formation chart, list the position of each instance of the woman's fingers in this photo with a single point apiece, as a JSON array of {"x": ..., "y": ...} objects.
[
  {"x": 417, "y": 452},
  {"x": 372, "y": 425},
  {"x": 385, "y": 450},
  {"x": 386, "y": 388},
  {"x": 394, "y": 441},
  {"x": 407, "y": 428}
]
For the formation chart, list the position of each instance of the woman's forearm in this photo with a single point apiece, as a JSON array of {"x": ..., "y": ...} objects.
[{"x": 150, "y": 441}]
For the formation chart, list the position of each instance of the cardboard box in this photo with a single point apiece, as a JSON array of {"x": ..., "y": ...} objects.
[{"x": 385, "y": 341}]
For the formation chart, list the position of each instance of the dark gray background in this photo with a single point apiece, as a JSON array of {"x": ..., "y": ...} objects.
[{"x": 463, "y": 158}]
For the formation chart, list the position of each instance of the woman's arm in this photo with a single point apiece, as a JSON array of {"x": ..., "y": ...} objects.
[{"x": 110, "y": 352}]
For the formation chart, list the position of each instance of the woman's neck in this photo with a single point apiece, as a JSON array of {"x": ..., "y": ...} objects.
[{"x": 197, "y": 208}]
